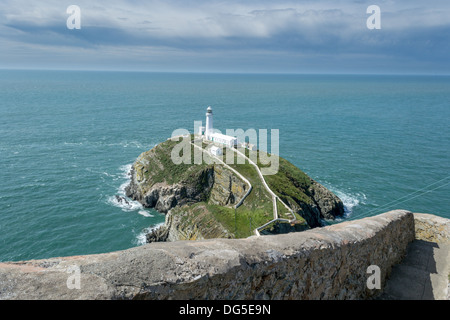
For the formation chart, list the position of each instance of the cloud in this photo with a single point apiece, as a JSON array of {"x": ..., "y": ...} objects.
[{"x": 229, "y": 31}]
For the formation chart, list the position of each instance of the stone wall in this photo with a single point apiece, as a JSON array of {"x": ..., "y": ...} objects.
[
  {"x": 321, "y": 263},
  {"x": 431, "y": 228}
]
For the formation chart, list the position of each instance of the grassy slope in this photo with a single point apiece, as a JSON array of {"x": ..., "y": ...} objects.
[
  {"x": 256, "y": 210},
  {"x": 289, "y": 184},
  {"x": 160, "y": 158}
]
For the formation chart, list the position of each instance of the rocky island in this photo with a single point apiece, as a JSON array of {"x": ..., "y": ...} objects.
[{"x": 217, "y": 200}]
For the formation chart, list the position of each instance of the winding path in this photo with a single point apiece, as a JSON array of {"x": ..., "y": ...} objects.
[
  {"x": 275, "y": 198},
  {"x": 250, "y": 187}
]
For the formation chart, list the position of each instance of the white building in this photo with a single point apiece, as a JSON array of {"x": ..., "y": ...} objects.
[
  {"x": 209, "y": 134},
  {"x": 229, "y": 141},
  {"x": 216, "y": 151}
]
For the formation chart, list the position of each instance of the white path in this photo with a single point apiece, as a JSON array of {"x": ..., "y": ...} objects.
[
  {"x": 266, "y": 186},
  {"x": 274, "y": 196},
  {"x": 236, "y": 172}
]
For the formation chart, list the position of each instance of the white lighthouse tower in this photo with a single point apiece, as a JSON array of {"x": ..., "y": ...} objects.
[
  {"x": 216, "y": 137},
  {"x": 209, "y": 123}
]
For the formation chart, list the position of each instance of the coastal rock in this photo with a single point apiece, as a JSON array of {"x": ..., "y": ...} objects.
[
  {"x": 304, "y": 195},
  {"x": 328, "y": 204},
  {"x": 188, "y": 223},
  {"x": 122, "y": 200},
  {"x": 228, "y": 189},
  {"x": 163, "y": 197},
  {"x": 217, "y": 184},
  {"x": 176, "y": 189}
]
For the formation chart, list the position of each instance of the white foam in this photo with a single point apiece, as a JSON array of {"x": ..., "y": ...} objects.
[
  {"x": 121, "y": 189},
  {"x": 122, "y": 201},
  {"x": 126, "y": 204},
  {"x": 108, "y": 174},
  {"x": 145, "y": 214},
  {"x": 141, "y": 238},
  {"x": 350, "y": 200},
  {"x": 73, "y": 143},
  {"x": 126, "y": 171},
  {"x": 126, "y": 144}
]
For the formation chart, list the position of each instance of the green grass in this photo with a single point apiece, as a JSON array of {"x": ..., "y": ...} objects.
[
  {"x": 289, "y": 184},
  {"x": 257, "y": 208},
  {"x": 167, "y": 171},
  {"x": 241, "y": 222},
  {"x": 282, "y": 211},
  {"x": 300, "y": 219}
]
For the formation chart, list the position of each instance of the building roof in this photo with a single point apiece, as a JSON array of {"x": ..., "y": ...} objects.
[{"x": 223, "y": 136}]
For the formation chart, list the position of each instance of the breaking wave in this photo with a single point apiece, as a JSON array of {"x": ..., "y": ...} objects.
[
  {"x": 120, "y": 200},
  {"x": 145, "y": 213},
  {"x": 350, "y": 200},
  {"x": 141, "y": 238}
]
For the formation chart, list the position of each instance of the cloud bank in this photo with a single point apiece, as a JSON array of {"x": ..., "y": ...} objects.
[{"x": 228, "y": 36}]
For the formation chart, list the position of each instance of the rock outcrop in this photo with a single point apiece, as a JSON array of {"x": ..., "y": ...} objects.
[
  {"x": 328, "y": 204},
  {"x": 304, "y": 195},
  {"x": 228, "y": 189},
  {"x": 212, "y": 183},
  {"x": 188, "y": 223},
  {"x": 156, "y": 182},
  {"x": 164, "y": 197},
  {"x": 432, "y": 228}
]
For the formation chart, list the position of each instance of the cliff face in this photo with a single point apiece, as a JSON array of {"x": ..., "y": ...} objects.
[
  {"x": 323, "y": 205},
  {"x": 304, "y": 195},
  {"x": 189, "y": 223},
  {"x": 188, "y": 193},
  {"x": 214, "y": 184},
  {"x": 228, "y": 189},
  {"x": 163, "y": 196},
  {"x": 156, "y": 183},
  {"x": 329, "y": 205}
]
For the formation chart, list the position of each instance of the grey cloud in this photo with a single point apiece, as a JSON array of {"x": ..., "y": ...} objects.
[{"x": 208, "y": 29}]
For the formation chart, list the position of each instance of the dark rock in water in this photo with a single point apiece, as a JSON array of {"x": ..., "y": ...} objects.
[
  {"x": 330, "y": 206},
  {"x": 158, "y": 235},
  {"x": 122, "y": 200}
]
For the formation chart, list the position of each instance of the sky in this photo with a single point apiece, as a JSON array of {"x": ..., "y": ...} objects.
[{"x": 246, "y": 36}]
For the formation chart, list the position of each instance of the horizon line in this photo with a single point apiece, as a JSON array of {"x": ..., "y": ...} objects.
[{"x": 226, "y": 72}]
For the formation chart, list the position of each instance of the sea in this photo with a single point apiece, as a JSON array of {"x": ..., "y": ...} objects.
[{"x": 69, "y": 138}]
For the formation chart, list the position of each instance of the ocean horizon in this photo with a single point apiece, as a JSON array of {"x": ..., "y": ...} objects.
[{"x": 69, "y": 138}]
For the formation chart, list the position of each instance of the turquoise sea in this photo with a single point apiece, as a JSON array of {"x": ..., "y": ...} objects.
[{"x": 68, "y": 139}]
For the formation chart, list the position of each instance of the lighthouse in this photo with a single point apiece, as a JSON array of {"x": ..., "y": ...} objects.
[
  {"x": 215, "y": 137},
  {"x": 209, "y": 123}
]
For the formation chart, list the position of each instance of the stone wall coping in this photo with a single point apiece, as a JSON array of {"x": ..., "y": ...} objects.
[{"x": 177, "y": 269}]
